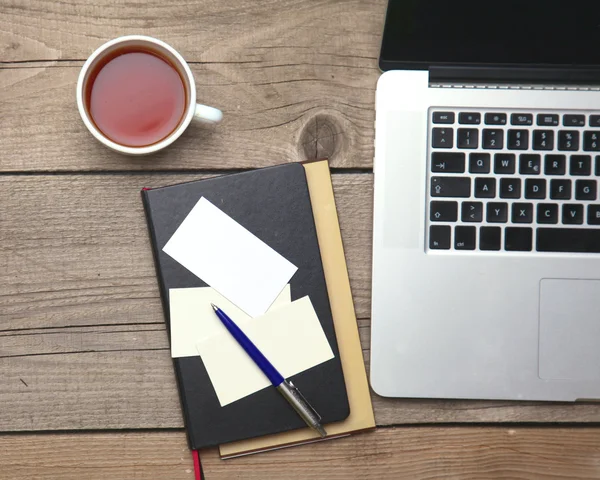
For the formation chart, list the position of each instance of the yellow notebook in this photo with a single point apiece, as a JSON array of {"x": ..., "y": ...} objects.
[{"x": 346, "y": 329}]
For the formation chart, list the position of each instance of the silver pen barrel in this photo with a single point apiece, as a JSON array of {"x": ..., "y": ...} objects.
[{"x": 301, "y": 405}]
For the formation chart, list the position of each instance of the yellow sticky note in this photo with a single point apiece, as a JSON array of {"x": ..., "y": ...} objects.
[
  {"x": 193, "y": 319},
  {"x": 290, "y": 336}
]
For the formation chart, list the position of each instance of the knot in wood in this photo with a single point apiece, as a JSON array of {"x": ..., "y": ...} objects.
[{"x": 321, "y": 137}]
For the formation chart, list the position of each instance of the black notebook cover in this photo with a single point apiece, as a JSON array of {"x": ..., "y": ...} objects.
[{"x": 274, "y": 204}]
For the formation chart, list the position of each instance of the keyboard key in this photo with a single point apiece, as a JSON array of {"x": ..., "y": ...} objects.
[
  {"x": 598, "y": 166},
  {"x": 442, "y": 138},
  {"x": 467, "y": 118},
  {"x": 448, "y": 162},
  {"x": 576, "y": 240},
  {"x": 547, "y": 120},
  {"x": 504, "y": 163},
  {"x": 555, "y": 165},
  {"x": 521, "y": 119},
  {"x": 568, "y": 140},
  {"x": 489, "y": 238},
  {"x": 581, "y": 165},
  {"x": 543, "y": 139},
  {"x": 472, "y": 212},
  {"x": 529, "y": 164},
  {"x": 585, "y": 190},
  {"x": 479, "y": 163},
  {"x": 485, "y": 187},
  {"x": 495, "y": 118},
  {"x": 591, "y": 141},
  {"x": 547, "y": 213},
  {"x": 574, "y": 120},
  {"x": 439, "y": 237},
  {"x": 518, "y": 139},
  {"x": 443, "y": 212},
  {"x": 510, "y": 188},
  {"x": 535, "y": 188},
  {"x": 497, "y": 212},
  {"x": 594, "y": 120},
  {"x": 560, "y": 189},
  {"x": 522, "y": 213},
  {"x": 468, "y": 138},
  {"x": 443, "y": 117},
  {"x": 450, "y": 187},
  {"x": 572, "y": 214},
  {"x": 493, "y": 138},
  {"x": 464, "y": 238},
  {"x": 518, "y": 239},
  {"x": 593, "y": 217}
]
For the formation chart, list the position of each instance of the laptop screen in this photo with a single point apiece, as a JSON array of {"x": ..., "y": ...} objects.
[{"x": 420, "y": 33}]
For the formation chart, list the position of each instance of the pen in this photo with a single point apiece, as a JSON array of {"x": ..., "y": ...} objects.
[{"x": 285, "y": 387}]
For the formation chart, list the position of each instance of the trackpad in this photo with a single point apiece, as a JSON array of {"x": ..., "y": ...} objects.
[{"x": 569, "y": 329}]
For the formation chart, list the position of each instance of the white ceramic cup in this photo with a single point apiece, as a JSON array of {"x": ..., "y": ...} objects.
[{"x": 193, "y": 110}]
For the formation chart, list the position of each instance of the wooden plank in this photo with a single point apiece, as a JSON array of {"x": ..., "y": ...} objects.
[
  {"x": 81, "y": 326},
  {"x": 226, "y": 31},
  {"x": 96, "y": 456},
  {"x": 272, "y": 115},
  {"x": 291, "y": 88},
  {"x": 75, "y": 249},
  {"x": 416, "y": 453},
  {"x": 92, "y": 390},
  {"x": 428, "y": 453},
  {"x": 120, "y": 376}
]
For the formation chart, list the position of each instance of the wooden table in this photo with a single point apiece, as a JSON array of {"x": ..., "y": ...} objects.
[{"x": 86, "y": 381}]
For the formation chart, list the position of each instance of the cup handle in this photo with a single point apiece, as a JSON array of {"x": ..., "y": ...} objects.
[{"x": 206, "y": 114}]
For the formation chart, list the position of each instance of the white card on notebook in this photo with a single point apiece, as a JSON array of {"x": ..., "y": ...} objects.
[
  {"x": 290, "y": 337},
  {"x": 229, "y": 258},
  {"x": 193, "y": 319}
]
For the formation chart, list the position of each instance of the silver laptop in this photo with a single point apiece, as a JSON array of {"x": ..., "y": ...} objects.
[{"x": 486, "y": 243}]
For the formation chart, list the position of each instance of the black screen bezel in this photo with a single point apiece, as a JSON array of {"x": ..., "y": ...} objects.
[{"x": 538, "y": 71}]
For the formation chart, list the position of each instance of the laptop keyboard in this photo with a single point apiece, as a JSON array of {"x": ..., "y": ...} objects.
[{"x": 513, "y": 181}]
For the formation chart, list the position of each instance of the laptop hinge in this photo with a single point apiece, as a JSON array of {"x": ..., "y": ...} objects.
[{"x": 520, "y": 75}]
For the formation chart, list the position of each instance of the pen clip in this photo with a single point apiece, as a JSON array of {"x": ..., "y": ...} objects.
[{"x": 303, "y": 399}]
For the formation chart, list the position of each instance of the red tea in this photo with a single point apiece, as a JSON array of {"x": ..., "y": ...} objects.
[{"x": 136, "y": 98}]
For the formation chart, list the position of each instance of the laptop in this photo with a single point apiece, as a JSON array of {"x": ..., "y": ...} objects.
[{"x": 486, "y": 236}]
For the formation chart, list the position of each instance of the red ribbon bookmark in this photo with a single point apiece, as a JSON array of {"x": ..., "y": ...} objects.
[{"x": 197, "y": 467}]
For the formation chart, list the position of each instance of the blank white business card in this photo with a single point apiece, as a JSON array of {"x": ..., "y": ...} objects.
[
  {"x": 290, "y": 337},
  {"x": 229, "y": 258},
  {"x": 193, "y": 320}
]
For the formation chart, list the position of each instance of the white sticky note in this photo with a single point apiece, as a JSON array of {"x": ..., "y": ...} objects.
[
  {"x": 229, "y": 258},
  {"x": 193, "y": 319},
  {"x": 290, "y": 336}
]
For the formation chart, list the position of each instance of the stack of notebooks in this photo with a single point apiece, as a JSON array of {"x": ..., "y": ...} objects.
[{"x": 291, "y": 208}]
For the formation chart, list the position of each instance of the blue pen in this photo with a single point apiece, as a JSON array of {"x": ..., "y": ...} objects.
[{"x": 285, "y": 387}]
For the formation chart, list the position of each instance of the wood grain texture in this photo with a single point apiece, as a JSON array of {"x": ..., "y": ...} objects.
[
  {"x": 393, "y": 453},
  {"x": 96, "y": 456},
  {"x": 82, "y": 338},
  {"x": 291, "y": 88},
  {"x": 269, "y": 118},
  {"x": 207, "y": 31},
  {"x": 81, "y": 325},
  {"x": 75, "y": 249}
]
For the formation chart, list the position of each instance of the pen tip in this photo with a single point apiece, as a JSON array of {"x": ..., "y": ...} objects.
[
  {"x": 215, "y": 308},
  {"x": 319, "y": 428}
]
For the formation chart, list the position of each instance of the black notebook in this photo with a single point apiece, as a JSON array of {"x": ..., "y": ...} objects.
[{"x": 274, "y": 204}]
